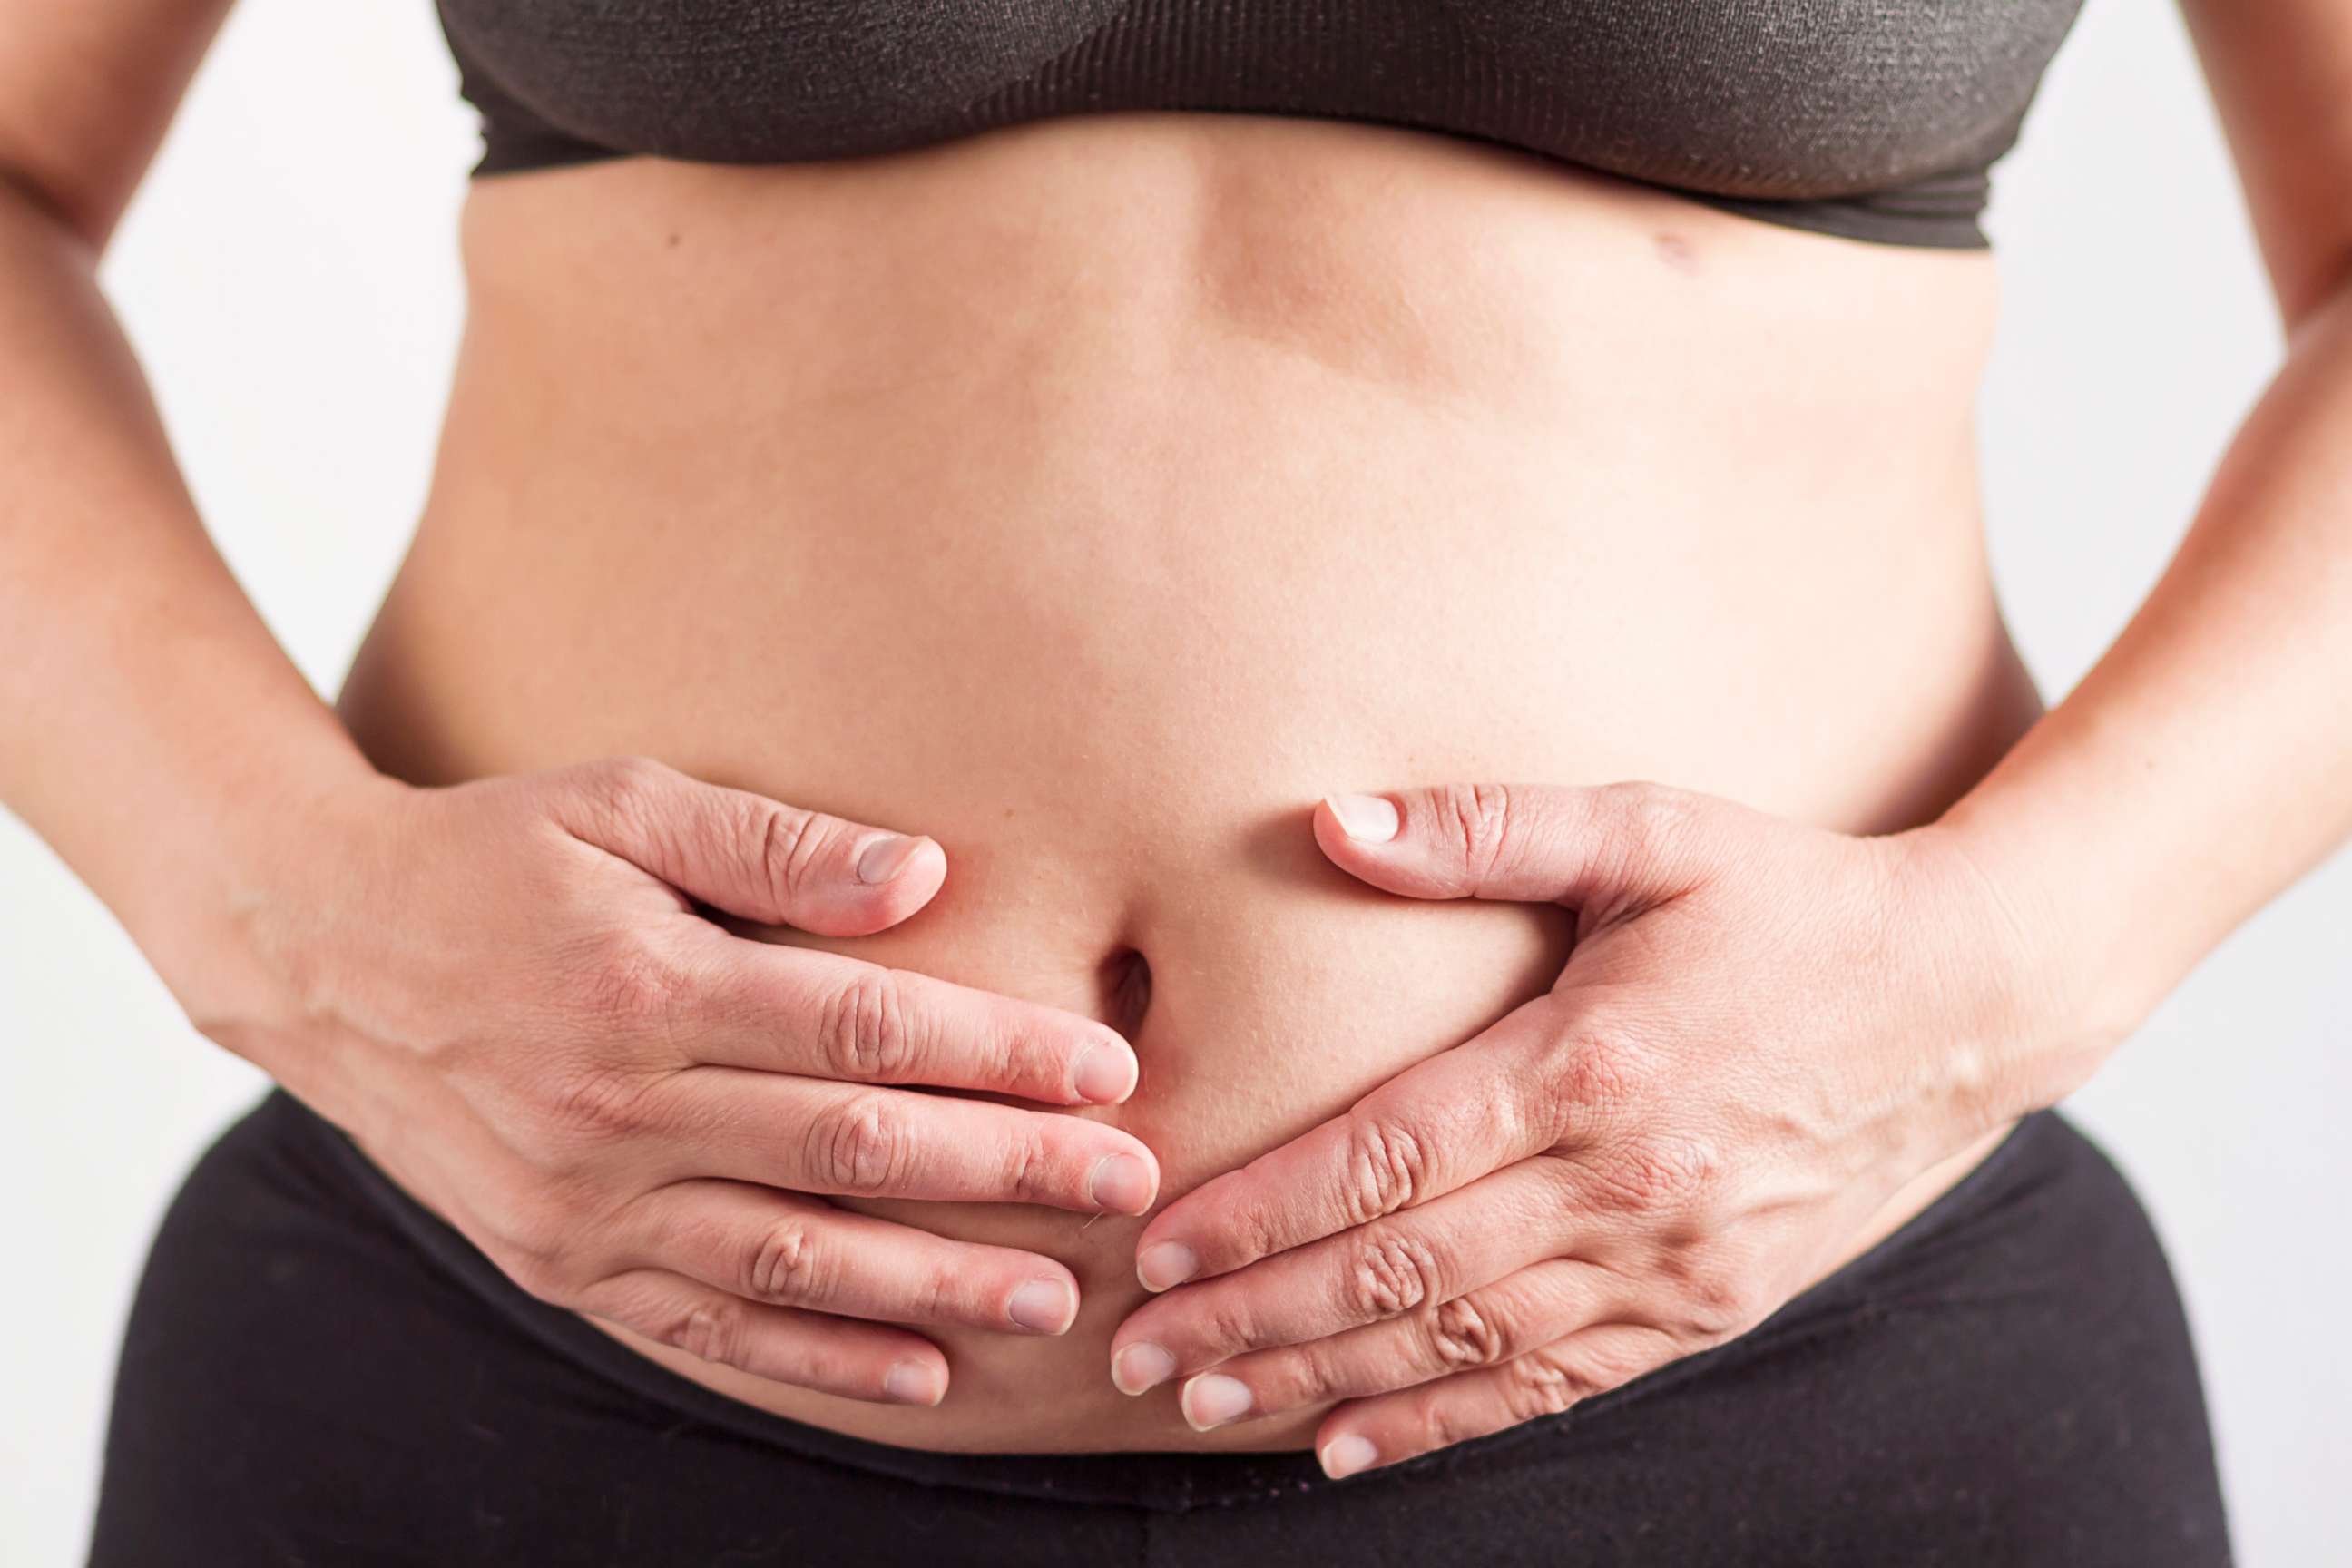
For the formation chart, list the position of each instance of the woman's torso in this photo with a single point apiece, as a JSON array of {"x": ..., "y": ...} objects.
[{"x": 1095, "y": 494}]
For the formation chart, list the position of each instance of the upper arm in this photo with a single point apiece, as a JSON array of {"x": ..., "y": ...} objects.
[
  {"x": 2280, "y": 75},
  {"x": 87, "y": 88}
]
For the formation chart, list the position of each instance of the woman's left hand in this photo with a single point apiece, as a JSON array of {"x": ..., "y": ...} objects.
[{"x": 1762, "y": 1031}]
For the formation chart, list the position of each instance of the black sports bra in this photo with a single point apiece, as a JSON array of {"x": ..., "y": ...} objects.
[{"x": 1878, "y": 120}]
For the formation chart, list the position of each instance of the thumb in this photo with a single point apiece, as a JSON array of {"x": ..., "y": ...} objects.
[
  {"x": 1610, "y": 847},
  {"x": 753, "y": 856}
]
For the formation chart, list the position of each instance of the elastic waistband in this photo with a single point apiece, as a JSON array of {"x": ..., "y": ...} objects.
[{"x": 1161, "y": 1481}]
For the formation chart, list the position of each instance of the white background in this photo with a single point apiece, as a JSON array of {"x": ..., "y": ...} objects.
[{"x": 290, "y": 277}]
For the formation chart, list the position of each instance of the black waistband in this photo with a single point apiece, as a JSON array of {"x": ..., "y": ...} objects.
[{"x": 1156, "y": 1480}]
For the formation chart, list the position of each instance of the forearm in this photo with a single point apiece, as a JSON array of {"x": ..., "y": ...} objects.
[
  {"x": 2205, "y": 763},
  {"x": 151, "y": 729}
]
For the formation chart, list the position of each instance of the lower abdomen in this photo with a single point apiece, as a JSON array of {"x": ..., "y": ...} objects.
[{"x": 1105, "y": 606}]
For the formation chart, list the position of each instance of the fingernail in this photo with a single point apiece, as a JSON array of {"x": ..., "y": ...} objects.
[
  {"x": 912, "y": 1382},
  {"x": 1105, "y": 1072},
  {"x": 1142, "y": 1365},
  {"x": 1046, "y": 1305},
  {"x": 1368, "y": 819},
  {"x": 1213, "y": 1399},
  {"x": 1344, "y": 1455},
  {"x": 1120, "y": 1182},
  {"x": 1165, "y": 1264},
  {"x": 884, "y": 857}
]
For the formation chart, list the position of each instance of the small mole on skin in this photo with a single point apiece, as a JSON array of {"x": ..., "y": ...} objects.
[
  {"x": 672, "y": 242},
  {"x": 1676, "y": 252}
]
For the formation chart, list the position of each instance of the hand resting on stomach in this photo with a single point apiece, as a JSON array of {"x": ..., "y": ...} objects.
[{"x": 961, "y": 495}]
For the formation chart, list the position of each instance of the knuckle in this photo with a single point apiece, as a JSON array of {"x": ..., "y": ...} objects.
[
  {"x": 1667, "y": 1175},
  {"x": 783, "y": 1265},
  {"x": 1475, "y": 819},
  {"x": 1387, "y": 1169},
  {"x": 1462, "y": 1335},
  {"x": 713, "y": 1327},
  {"x": 790, "y": 843},
  {"x": 945, "y": 1294},
  {"x": 1720, "y": 1299},
  {"x": 1542, "y": 1383},
  {"x": 1029, "y": 1051},
  {"x": 1227, "y": 1321},
  {"x": 596, "y": 1101},
  {"x": 1596, "y": 1079},
  {"x": 1254, "y": 1229},
  {"x": 1599, "y": 1068},
  {"x": 1029, "y": 1167},
  {"x": 1307, "y": 1374},
  {"x": 1390, "y": 1275},
  {"x": 866, "y": 1031},
  {"x": 629, "y": 986},
  {"x": 858, "y": 1147}
]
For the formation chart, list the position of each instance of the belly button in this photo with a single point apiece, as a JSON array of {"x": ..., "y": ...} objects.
[{"x": 1126, "y": 990}]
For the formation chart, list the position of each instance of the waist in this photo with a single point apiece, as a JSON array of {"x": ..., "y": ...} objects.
[{"x": 1104, "y": 599}]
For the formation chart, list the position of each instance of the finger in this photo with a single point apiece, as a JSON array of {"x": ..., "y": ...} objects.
[
  {"x": 799, "y": 1010},
  {"x": 815, "y": 1136},
  {"x": 1628, "y": 843},
  {"x": 1393, "y": 1266},
  {"x": 783, "y": 1345},
  {"x": 1523, "y": 1311},
  {"x": 791, "y": 1251},
  {"x": 746, "y": 854},
  {"x": 1435, "y": 1127},
  {"x": 1387, "y": 1428}
]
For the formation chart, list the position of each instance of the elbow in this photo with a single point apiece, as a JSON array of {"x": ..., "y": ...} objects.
[
  {"x": 2317, "y": 287},
  {"x": 80, "y": 215}
]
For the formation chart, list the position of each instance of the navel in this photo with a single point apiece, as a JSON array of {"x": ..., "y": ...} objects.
[{"x": 1126, "y": 990}]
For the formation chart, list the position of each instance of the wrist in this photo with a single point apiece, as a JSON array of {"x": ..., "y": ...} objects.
[
  {"x": 246, "y": 912},
  {"x": 2049, "y": 1003}
]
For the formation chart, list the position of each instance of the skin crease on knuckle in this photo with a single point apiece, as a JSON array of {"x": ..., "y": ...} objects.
[
  {"x": 1083, "y": 628},
  {"x": 1461, "y": 1336},
  {"x": 785, "y": 1266},
  {"x": 866, "y": 1029},
  {"x": 711, "y": 1328},
  {"x": 790, "y": 844},
  {"x": 1477, "y": 825},
  {"x": 1387, "y": 1168},
  {"x": 858, "y": 1147},
  {"x": 1392, "y": 1274}
]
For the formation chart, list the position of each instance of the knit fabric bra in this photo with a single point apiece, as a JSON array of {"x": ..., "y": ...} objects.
[{"x": 1877, "y": 120}]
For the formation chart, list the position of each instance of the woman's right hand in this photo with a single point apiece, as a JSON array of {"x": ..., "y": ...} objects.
[{"x": 504, "y": 992}]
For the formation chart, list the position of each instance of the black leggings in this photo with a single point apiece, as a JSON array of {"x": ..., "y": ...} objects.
[{"x": 319, "y": 1372}]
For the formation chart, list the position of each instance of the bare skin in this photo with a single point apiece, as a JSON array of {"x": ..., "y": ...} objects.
[
  {"x": 1092, "y": 497},
  {"x": 966, "y": 528}
]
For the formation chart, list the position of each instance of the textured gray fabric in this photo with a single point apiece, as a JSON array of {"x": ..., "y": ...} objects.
[{"x": 1879, "y": 120}]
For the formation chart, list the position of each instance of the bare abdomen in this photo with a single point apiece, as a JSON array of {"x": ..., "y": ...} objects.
[{"x": 969, "y": 494}]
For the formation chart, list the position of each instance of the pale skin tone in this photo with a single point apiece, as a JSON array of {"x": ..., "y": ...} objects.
[{"x": 1680, "y": 1055}]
